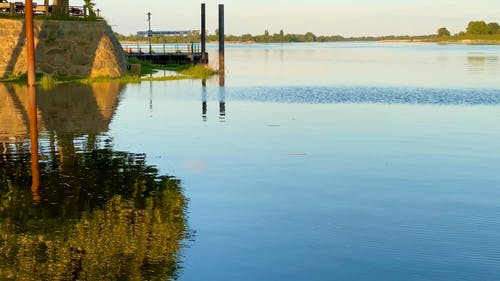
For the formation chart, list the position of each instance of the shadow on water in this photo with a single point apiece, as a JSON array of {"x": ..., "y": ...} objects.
[{"x": 73, "y": 208}]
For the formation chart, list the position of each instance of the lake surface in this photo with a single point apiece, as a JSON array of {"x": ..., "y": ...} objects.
[{"x": 335, "y": 161}]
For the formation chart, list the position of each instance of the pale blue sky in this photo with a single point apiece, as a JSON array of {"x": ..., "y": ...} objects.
[{"x": 323, "y": 17}]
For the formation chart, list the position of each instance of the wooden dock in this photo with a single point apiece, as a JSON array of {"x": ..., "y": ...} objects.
[{"x": 168, "y": 58}]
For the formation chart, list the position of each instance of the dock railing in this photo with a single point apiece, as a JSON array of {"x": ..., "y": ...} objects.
[
  {"x": 181, "y": 48},
  {"x": 17, "y": 8}
]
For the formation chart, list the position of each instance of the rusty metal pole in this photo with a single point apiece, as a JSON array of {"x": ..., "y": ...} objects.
[
  {"x": 30, "y": 42},
  {"x": 221, "y": 46},
  {"x": 203, "y": 35},
  {"x": 35, "y": 167}
]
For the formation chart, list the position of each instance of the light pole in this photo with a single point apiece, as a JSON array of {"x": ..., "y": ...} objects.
[{"x": 149, "y": 32}]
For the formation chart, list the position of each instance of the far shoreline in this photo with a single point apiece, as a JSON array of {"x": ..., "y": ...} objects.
[{"x": 437, "y": 42}]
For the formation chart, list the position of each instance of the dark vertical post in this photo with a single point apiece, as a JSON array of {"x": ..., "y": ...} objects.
[
  {"x": 46, "y": 5},
  {"x": 203, "y": 35},
  {"x": 35, "y": 168},
  {"x": 30, "y": 42},
  {"x": 221, "y": 46},
  {"x": 149, "y": 33}
]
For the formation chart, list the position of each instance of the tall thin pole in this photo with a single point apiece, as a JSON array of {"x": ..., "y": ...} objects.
[
  {"x": 221, "y": 46},
  {"x": 149, "y": 33},
  {"x": 203, "y": 34},
  {"x": 30, "y": 42}
]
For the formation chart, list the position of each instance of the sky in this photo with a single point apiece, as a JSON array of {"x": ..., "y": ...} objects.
[{"x": 322, "y": 17}]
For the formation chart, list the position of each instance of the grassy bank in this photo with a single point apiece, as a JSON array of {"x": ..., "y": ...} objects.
[
  {"x": 177, "y": 72},
  {"x": 469, "y": 39}
]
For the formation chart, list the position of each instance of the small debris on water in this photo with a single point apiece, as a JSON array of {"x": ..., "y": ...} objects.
[{"x": 297, "y": 154}]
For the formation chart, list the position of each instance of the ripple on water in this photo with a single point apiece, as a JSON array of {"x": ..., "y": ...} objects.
[{"x": 324, "y": 95}]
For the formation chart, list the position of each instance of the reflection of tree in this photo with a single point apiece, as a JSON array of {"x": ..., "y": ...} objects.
[
  {"x": 98, "y": 214},
  {"x": 110, "y": 218}
]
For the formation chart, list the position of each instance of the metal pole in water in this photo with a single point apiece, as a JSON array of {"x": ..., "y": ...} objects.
[
  {"x": 221, "y": 46},
  {"x": 30, "y": 42},
  {"x": 203, "y": 34}
]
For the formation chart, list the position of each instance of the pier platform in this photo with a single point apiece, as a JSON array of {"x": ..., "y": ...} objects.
[{"x": 167, "y": 54}]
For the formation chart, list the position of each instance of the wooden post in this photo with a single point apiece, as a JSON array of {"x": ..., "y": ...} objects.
[
  {"x": 35, "y": 168},
  {"x": 203, "y": 35},
  {"x": 30, "y": 42},
  {"x": 12, "y": 9},
  {"x": 46, "y": 5},
  {"x": 221, "y": 46}
]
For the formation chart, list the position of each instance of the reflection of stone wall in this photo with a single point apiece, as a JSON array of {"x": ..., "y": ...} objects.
[
  {"x": 63, "y": 48},
  {"x": 14, "y": 119},
  {"x": 79, "y": 109}
]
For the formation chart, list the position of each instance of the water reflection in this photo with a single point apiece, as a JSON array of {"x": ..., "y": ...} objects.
[
  {"x": 35, "y": 168},
  {"x": 222, "y": 104},
  {"x": 221, "y": 97},
  {"x": 204, "y": 100},
  {"x": 478, "y": 62},
  {"x": 74, "y": 208}
]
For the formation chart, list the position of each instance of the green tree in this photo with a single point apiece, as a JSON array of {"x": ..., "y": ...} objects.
[
  {"x": 60, "y": 7},
  {"x": 443, "y": 32},
  {"x": 247, "y": 37},
  {"x": 477, "y": 28},
  {"x": 494, "y": 28},
  {"x": 89, "y": 5},
  {"x": 309, "y": 37}
]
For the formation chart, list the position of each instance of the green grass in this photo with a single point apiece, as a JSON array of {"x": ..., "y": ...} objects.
[
  {"x": 186, "y": 71},
  {"x": 147, "y": 69}
]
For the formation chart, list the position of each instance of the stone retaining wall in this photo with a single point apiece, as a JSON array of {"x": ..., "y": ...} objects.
[{"x": 63, "y": 48}]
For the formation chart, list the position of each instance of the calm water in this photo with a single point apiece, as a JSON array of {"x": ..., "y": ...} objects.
[{"x": 347, "y": 161}]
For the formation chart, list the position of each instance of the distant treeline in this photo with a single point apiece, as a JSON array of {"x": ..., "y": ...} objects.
[
  {"x": 194, "y": 37},
  {"x": 474, "y": 29}
]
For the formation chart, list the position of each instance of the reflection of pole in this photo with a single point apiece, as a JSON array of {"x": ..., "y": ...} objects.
[
  {"x": 30, "y": 42},
  {"x": 203, "y": 35},
  {"x": 221, "y": 45},
  {"x": 222, "y": 104},
  {"x": 149, "y": 33},
  {"x": 35, "y": 169},
  {"x": 151, "y": 95},
  {"x": 204, "y": 99}
]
